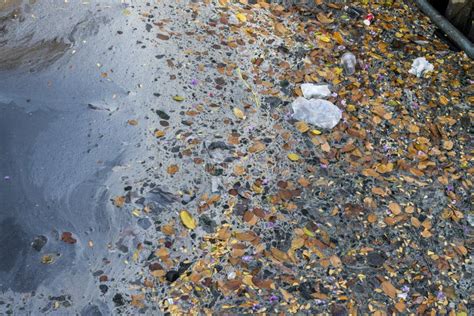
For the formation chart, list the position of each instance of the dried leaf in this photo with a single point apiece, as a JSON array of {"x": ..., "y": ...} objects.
[
  {"x": 241, "y": 17},
  {"x": 324, "y": 19},
  {"x": 389, "y": 289},
  {"x": 293, "y": 157},
  {"x": 302, "y": 126},
  {"x": 187, "y": 219},
  {"x": 280, "y": 28},
  {"x": 395, "y": 208},
  {"x": 325, "y": 147},
  {"x": 159, "y": 134},
  {"x": 239, "y": 113},
  {"x": 338, "y": 37},
  {"x": 257, "y": 147},
  {"x": 172, "y": 169},
  {"x": 178, "y": 98},
  {"x": 279, "y": 255},
  {"x": 119, "y": 201}
]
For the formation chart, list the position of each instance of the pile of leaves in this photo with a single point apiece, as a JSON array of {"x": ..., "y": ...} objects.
[{"x": 254, "y": 212}]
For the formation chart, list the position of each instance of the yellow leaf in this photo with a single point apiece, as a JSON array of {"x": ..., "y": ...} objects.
[
  {"x": 351, "y": 108},
  {"x": 293, "y": 157},
  {"x": 308, "y": 232},
  {"x": 443, "y": 100},
  {"x": 315, "y": 132},
  {"x": 338, "y": 37},
  {"x": 159, "y": 133},
  {"x": 178, "y": 98},
  {"x": 187, "y": 219},
  {"x": 241, "y": 17},
  {"x": 324, "y": 38},
  {"x": 239, "y": 113}
]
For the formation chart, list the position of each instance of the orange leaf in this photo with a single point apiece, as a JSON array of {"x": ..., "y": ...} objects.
[
  {"x": 172, "y": 169},
  {"x": 338, "y": 37},
  {"x": 389, "y": 289}
]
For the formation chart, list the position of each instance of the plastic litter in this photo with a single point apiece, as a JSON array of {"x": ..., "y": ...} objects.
[
  {"x": 348, "y": 61},
  {"x": 315, "y": 91},
  {"x": 368, "y": 19},
  {"x": 420, "y": 66},
  {"x": 321, "y": 113}
]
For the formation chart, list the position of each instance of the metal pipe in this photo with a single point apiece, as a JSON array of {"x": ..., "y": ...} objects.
[{"x": 453, "y": 33}]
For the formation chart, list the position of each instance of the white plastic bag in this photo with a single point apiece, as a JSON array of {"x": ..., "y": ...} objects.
[
  {"x": 420, "y": 66},
  {"x": 318, "y": 112},
  {"x": 311, "y": 90}
]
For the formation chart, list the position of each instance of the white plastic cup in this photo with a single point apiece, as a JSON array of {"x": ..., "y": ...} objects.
[{"x": 348, "y": 61}]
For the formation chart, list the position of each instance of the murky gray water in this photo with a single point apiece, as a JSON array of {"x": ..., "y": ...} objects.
[{"x": 63, "y": 148}]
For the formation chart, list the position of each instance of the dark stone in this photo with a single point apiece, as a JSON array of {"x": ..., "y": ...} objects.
[
  {"x": 39, "y": 242},
  {"x": 172, "y": 276},
  {"x": 219, "y": 145},
  {"x": 207, "y": 224},
  {"x": 162, "y": 115},
  {"x": 144, "y": 223},
  {"x": 338, "y": 310},
  {"x": 375, "y": 259},
  {"x": 183, "y": 267},
  {"x": 103, "y": 288},
  {"x": 118, "y": 300},
  {"x": 306, "y": 289}
]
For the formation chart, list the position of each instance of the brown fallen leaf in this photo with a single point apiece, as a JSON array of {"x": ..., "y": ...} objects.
[
  {"x": 324, "y": 19},
  {"x": 163, "y": 37},
  {"x": 258, "y": 146},
  {"x": 67, "y": 238},
  {"x": 447, "y": 144},
  {"x": 400, "y": 307},
  {"x": 389, "y": 289},
  {"x": 394, "y": 208},
  {"x": 119, "y": 201},
  {"x": 325, "y": 147},
  {"x": 172, "y": 169},
  {"x": 379, "y": 191},
  {"x": 279, "y": 255},
  {"x": 137, "y": 300},
  {"x": 280, "y": 28},
  {"x": 302, "y": 126}
]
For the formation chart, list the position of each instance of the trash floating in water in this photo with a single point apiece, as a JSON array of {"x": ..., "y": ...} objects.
[
  {"x": 318, "y": 112},
  {"x": 420, "y": 66},
  {"x": 311, "y": 90},
  {"x": 348, "y": 61}
]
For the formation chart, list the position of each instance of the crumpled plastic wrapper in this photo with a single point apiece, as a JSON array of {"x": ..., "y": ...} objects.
[
  {"x": 311, "y": 90},
  {"x": 319, "y": 112},
  {"x": 420, "y": 66}
]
